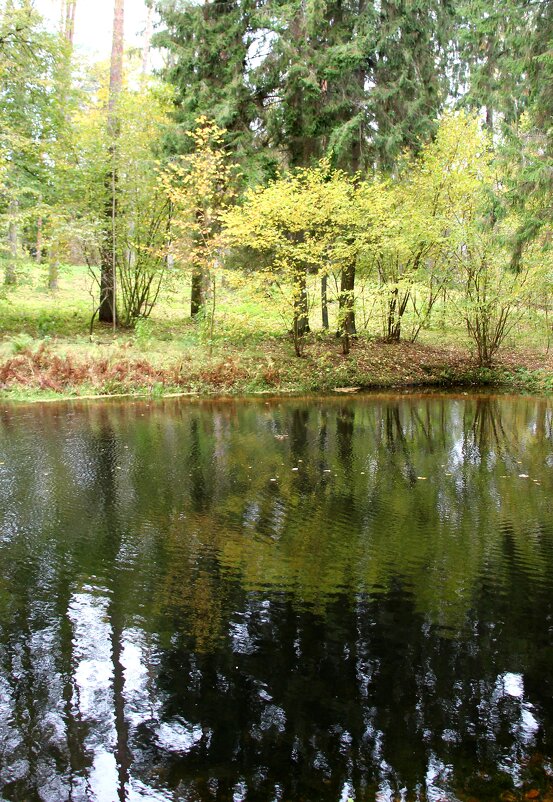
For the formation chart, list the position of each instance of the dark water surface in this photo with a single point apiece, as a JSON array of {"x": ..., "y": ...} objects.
[{"x": 292, "y": 600}]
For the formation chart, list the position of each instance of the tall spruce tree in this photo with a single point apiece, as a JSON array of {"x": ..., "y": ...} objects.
[
  {"x": 347, "y": 79},
  {"x": 489, "y": 72},
  {"x": 531, "y": 142},
  {"x": 408, "y": 80},
  {"x": 207, "y": 48}
]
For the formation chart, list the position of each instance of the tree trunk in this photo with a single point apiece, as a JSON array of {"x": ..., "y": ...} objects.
[
  {"x": 324, "y": 301},
  {"x": 346, "y": 310},
  {"x": 107, "y": 311},
  {"x": 116, "y": 66},
  {"x": 53, "y": 269},
  {"x": 69, "y": 28},
  {"x": 11, "y": 265},
  {"x": 198, "y": 292},
  {"x": 300, "y": 326},
  {"x": 301, "y": 309},
  {"x": 147, "y": 42},
  {"x": 38, "y": 254},
  {"x": 489, "y": 119}
]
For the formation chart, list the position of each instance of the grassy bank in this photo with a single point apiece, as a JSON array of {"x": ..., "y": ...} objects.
[{"x": 47, "y": 352}]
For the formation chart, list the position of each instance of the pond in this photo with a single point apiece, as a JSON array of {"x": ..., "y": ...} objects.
[{"x": 314, "y": 600}]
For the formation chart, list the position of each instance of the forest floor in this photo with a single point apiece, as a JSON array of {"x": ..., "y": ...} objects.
[{"x": 47, "y": 352}]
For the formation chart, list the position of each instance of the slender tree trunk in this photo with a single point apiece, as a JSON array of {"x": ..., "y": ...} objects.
[
  {"x": 198, "y": 292},
  {"x": 489, "y": 118},
  {"x": 346, "y": 299},
  {"x": 38, "y": 254},
  {"x": 53, "y": 268},
  {"x": 107, "y": 311},
  {"x": 147, "y": 41},
  {"x": 324, "y": 301},
  {"x": 301, "y": 310},
  {"x": 11, "y": 265},
  {"x": 69, "y": 28}
]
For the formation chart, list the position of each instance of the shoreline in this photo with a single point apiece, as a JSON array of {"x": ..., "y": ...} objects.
[{"x": 63, "y": 369}]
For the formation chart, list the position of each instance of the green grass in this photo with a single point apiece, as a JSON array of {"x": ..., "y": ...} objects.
[{"x": 251, "y": 350}]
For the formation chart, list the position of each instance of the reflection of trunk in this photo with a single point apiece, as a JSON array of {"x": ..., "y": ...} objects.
[
  {"x": 299, "y": 433},
  {"x": 123, "y": 755},
  {"x": 396, "y": 441},
  {"x": 76, "y": 729},
  {"x": 11, "y": 265},
  {"x": 298, "y": 426},
  {"x": 345, "y": 419},
  {"x": 488, "y": 432},
  {"x": 199, "y": 491},
  {"x": 28, "y": 710},
  {"x": 324, "y": 300},
  {"x": 112, "y": 548}
]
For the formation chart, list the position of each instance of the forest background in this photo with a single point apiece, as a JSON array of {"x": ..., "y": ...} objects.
[{"x": 302, "y": 195}]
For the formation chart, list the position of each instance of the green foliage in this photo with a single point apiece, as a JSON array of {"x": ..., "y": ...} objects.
[
  {"x": 335, "y": 113},
  {"x": 304, "y": 222}
]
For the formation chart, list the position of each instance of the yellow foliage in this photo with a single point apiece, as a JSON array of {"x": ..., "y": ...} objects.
[{"x": 199, "y": 186}]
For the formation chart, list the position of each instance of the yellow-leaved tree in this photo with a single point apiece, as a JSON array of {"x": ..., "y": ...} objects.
[
  {"x": 200, "y": 186},
  {"x": 414, "y": 220},
  {"x": 459, "y": 186},
  {"x": 305, "y": 222}
]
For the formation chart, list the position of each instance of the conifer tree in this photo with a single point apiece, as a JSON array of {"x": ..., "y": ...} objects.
[{"x": 207, "y": 47}]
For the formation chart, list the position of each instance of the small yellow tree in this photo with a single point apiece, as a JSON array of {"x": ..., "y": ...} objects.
[
  {"x": 304, "y": 222},
  {"x": 411, "y": 220},
  {"x": 200, "y": 185}
]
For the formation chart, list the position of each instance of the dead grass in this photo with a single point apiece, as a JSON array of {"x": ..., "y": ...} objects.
[
  {"x": 44, "y": 349},
  {"x": 270, "y": 365}
]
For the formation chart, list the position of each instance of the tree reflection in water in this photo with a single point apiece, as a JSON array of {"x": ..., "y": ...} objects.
[{"x": 276, "y": 600}]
